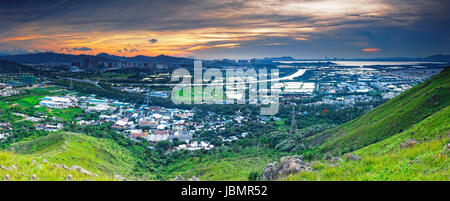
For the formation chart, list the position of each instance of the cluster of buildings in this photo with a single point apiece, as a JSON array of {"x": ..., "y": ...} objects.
[
  {"x": 5, "y": 128},
  {"x": 145, "y": 91},
  {"x": 59, "y": 102},
  {"x": 88, "y": 104},
  {"x": 297, "y": 87},
  {"x": 153, "y": 124},
  {"x": 93, "y": 63},
  {"x": 347, "y": 85},
  {"x": 349, "y": 100},
  {"x": 156, "y": 124},
  {"x": 195, "y": 146},
  {"x": 8, "y": 91}
]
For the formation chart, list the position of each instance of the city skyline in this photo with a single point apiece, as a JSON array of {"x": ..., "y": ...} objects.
[{"x": 227, "y": 29}]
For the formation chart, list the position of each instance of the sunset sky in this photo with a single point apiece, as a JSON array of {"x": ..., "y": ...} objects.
[{"x": 227, "y": 29}]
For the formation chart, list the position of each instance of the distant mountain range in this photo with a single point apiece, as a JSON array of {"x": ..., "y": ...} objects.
[
  {"x": 146, "y": 59},
  {"x": 50, "y": 57}
]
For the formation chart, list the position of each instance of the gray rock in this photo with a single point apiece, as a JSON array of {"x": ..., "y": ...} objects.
[
  {"x": 351, "y": 157},
  {"x": 11, "y": 168},
  {"x": 193, "y": 178},
  {"x": 6, "y": 177},
  {"x": 292, "y": 164},
  {"x": 33, "y": 177},
  {"x": 69, "y": 177},
  {"x": 336, "y": 159},
  {"x": 81, "y": 170},
  {"x": 118, "y": 177},
  {"x": 269, "y": 172},
  {"x": 408, "y": 143},
  {"x": 57, "y": 165},
  {"x": 288, "y": 165},
  {"x": 178, "y": 178}
]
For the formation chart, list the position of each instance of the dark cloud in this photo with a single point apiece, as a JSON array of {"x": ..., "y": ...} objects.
[
  {"x": 153, "y": 40},
  {"x": 83, "y": 49},
  {"x": 15, "y": 51}
]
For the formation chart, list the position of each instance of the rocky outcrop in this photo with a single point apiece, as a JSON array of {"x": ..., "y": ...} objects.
[
  {"x": 119, "y": 178},
  {"x": 6, "y": 177},
  {"x": 178, "y": 178},
  {"x": 351, "y": 157},
  {"x": 12, "y": 167},
  {"x": 75, "y": 167},
  {"x": 193, "y": 178},
  {"x": 408, "y": 143},
  {"x": 269, "y": 172},
  {"x": 69, "y": 177},
  {"x": 81, "y": 170},
  {"x": 288, "y": 165},
  {"x": 33, "y": 178},
  {"x": 336, "y": 159}
]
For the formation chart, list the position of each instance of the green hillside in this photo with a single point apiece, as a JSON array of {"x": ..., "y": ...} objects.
[
  {"x": 16, "y": 167},
  {"x": 395, "y": 116},
  {"x": 100, "y": 156},
  {"x": 428, "y": 159},
  {"x": 223, "y": 166}
]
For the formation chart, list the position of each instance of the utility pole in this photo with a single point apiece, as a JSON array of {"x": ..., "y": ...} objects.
[
  {"x": 71, "y": 84},
  {"x": 148, "y": 101}
]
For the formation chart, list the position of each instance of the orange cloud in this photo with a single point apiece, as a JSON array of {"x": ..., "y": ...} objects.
[{"x": 371, "y": 50}]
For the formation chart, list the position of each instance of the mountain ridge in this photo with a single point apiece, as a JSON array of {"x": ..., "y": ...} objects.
[{"x": 51, "y": 57}]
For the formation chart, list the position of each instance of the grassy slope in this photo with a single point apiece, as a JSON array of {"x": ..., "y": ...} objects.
[
  {"x": 385, "y": 160},
  {"x": 395, "y": 116},
  {"x": 100, "y": 156},
  {"x": 44, "y": 172},
  {"x": 232, "y": 167}
]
